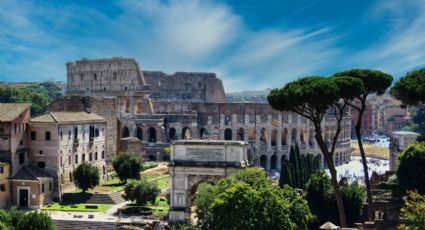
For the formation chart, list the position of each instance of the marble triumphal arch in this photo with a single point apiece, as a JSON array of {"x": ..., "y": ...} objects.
[{"x": 194, "y": 161}]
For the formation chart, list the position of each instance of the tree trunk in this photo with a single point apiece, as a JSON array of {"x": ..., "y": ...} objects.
[
  {"x": 338, "y": 197},
  {"x": 365, "y": 169},
  {"x": 335, "y": 185}
]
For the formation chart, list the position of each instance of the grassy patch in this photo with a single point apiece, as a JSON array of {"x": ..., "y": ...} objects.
[
  {"x": 371, "y": 151},
  {"x": 162, "y": 180},
  {"x": 76, "y": 207},
  {"x": 160, "y": 208}
]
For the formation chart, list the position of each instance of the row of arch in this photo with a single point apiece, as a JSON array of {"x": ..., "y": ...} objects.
[
  {"x": 274, "y": 161},
  {"x": 228, "y": 135},
  {"x": 152, "y": 133},
  {"x": 274, "y": 139}
]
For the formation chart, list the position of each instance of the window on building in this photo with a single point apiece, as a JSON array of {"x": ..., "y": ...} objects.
[
  {"x": 21, "y": 158},
  {"x": 95, "y": 156},
  {"x": 95, "y": 76},
  {"x": 83, "y": 157},
  {"x": 41, "y": 152},
  {"x": 103, "y": 154},
  {"x": 70, "y": 177},
  {"x": 76, "y": 159},
  {"x": 81, "y": 77},
  {"x": 69, "y": 160},
  {"x": 33, "y": 136},
  {"x": 61, "y": 135},
  {"x": 2, "y": 188},
  {"x": 90, "y": 156},
  {"x": 41, "y": 164},
  {"x": 1, "y": 170},
  {"x": 21, "y": 142},
  {"x": 47, "y": 136},
  {"x": 42, "y": 188},
  {"x": 69, "y": 134},
  {"x": 50, "y": 186}
]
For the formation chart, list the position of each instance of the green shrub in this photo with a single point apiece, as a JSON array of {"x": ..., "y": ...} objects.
[
  {"x": 411, "y": 169},
  {"x": 36, "y": 221},
  {"x": 141, "y": 191}
]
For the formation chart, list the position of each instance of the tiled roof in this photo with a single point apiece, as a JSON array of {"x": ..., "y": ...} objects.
[
  {"x": 31, "y": 172},
  {"x": 10, "y": 111},
  {"x": 68, "y": 117}
]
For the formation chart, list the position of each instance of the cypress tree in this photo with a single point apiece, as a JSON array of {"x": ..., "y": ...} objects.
[
  {"x": 298, "y": 166},
  {"x": 285, "y": 175}
]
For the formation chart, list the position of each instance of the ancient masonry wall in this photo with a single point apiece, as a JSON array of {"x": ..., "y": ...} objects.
[
  {"x": 104, "y": 77},
  {"x": 185, "y": 86}
]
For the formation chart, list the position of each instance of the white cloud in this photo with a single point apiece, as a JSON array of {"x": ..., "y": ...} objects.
[
  {"x": 402, "y": 47},
  {"x": 36, "y": 39}
]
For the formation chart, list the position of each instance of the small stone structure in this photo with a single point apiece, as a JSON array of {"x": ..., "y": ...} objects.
[
  {"x": 195, "y": 161},
  {"x": 134, "y": 145},
  {"x": 398, "y": 143}
]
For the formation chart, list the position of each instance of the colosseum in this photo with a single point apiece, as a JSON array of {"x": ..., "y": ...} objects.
[{"x": 155, "y": 109}]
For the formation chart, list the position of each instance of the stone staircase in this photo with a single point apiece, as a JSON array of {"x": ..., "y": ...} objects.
[
  {"x": 110, "y": 198},
  {"x": 84, "y": 225}
]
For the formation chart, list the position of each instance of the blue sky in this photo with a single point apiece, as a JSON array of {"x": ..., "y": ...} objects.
[{"x": 249, "y": 44}]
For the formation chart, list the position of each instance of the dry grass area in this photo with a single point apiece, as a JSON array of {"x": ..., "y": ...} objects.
[
  {"x": 371, "y": 151},
  {"x": 162, "y": 169}
]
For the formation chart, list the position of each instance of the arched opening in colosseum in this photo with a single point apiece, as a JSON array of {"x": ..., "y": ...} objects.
[
  {"x": 293, "y": 136},
  {"x": 263, "y": 141},
  {"x": 273, "y": 162},
  {"x": 139, "y": 107},
  {"x": 311, "y": 137},
  {"x": 227, "y": 120},
  {"x": 151, "y": 158},
  {"x": 228, "y": 134},
  {"x": 186, "y": 133},
  {"x": 274, "y": 137},
  {"x": 203, "y": 133},
  {"x": 251, "y": 134},
  {"x": 241, "y": 135},
  {"x": 139, "y": 133},
  {"x": 125, "y": 132},
  {"x": 127, "y": 106},
  {"x": 152, "y": 134},
  {"x": 302, "y": 140},
  {"x": 172, "y": 134},
  {"x": 263, "y": 161},
  {"x": 284, "y": 137}
]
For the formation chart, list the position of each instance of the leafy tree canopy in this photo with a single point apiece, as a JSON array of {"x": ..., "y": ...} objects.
[
  {"x": 86, "y": 176},
  {"x": 39, "y": 95},
  {"x": 410, "y": 89},
  {"x": 321, "y": 199},
  {"x": 128, "y": 166},
  {"x": 249, "y": 200},
  {"x": 141, "y": 191},
  {"x": 419, "y": 119},
  {"x": 412, "y": 215},
  {"x": 411, "y": 169},
  {"x": 35, "y": 220},
  {"x": 374, "y": 81}
]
